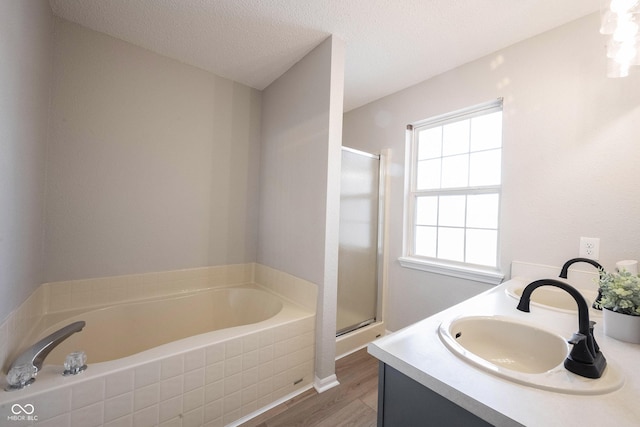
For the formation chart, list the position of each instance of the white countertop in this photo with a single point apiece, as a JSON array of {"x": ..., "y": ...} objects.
[{"x": 418, "y": 352}]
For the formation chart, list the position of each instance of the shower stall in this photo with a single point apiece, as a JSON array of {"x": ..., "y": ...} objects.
[{"x": 360, "y": 251}]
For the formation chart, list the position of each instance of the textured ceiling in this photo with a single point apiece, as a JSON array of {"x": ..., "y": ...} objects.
[{"x": 390, "y": 44}]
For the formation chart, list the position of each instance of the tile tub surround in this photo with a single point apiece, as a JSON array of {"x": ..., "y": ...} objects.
[{"x": 282, "y": 351}]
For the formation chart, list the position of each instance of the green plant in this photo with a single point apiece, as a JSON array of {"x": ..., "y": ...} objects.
[{"x": 620, "y": 292}]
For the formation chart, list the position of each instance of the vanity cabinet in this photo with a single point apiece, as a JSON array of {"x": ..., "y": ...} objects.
[{"x": 404, "y": 402}]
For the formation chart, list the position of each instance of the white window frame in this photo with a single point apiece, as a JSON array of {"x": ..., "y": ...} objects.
[{"x": 484, "y": 274}]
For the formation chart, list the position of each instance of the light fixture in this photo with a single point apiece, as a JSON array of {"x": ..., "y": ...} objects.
[{"x": 621, "y": 22}]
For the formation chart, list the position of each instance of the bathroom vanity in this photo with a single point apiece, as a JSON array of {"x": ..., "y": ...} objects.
[{"x": 424, "y": 381}]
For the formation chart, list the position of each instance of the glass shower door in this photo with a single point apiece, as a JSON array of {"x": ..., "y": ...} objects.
[{"x": 358, "y": 253}]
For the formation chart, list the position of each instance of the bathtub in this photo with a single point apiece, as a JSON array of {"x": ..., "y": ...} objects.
[{"x": 210, "y": 357}]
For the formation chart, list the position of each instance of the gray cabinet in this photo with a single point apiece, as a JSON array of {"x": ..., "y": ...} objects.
[{"x": 403, "y": 402}]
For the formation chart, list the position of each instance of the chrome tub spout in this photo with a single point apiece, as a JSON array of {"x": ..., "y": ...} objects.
[{"x": 32, "y": 359}]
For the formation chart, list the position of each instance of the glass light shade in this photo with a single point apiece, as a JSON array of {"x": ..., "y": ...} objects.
[
  {"x": 616, "y": 69},
  {"x": 623, "y": 6},
  {"x": 622, "y": 52},
  {"x": 609, "y": 22},
  {"x": 625, "y": 31}
]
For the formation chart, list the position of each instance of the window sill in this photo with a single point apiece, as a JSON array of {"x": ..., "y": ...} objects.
[{"x": 489, "y": 275}]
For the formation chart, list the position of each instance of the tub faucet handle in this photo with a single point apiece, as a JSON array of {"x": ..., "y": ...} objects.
[
  {"x": 75, "y": 363},
  {"x": 20, "y": 376},
  {"x": 34, "y": 356}
]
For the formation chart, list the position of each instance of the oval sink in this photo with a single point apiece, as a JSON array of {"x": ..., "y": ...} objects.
[
  {"x": 522, "y": 353},
  {"x": 553, "y": 298}
]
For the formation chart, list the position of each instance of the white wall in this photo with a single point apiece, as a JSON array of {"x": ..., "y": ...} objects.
[
  {"x": 570, "y": 161},
  {"x": 300, "y": 181},
  {"x": 153, "y": 164},
  {"x": 26, "y": 29}
]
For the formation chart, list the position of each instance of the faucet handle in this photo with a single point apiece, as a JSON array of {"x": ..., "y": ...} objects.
[
  {"x": 75, "y": 363},
  {"x": 580, "y": 352},
  {"x": 20, "y": 376}
]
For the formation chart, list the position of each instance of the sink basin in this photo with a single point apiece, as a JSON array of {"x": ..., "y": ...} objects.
[
  {"x": 553, "y": 298},
  {"x": 522, "y": 353}
]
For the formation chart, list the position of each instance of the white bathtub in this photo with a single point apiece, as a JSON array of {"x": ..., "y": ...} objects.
[
  {"x": 126, "y": 329},
  {"x": 206, "y": 358}
]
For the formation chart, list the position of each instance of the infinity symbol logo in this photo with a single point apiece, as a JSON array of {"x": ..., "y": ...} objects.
[{"x": 17, "y": 409}]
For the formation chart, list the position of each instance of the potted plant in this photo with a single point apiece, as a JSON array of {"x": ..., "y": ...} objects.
[{"x": 620, "y": 301}]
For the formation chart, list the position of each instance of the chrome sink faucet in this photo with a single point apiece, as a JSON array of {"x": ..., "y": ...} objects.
[
  {"x": 32, "y": 359},
  {"x": 564, "y": 272},
  {"x": 585, "y": 359}
]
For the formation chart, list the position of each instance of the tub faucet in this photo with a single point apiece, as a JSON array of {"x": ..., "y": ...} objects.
[
  {"x": 585, "y": 358},
  {"x": 564, "y": 272},
  {"x": 34, "y": 356}
]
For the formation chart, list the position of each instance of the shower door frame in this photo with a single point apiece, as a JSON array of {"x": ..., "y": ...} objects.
[{"x": 379, "y": 275}]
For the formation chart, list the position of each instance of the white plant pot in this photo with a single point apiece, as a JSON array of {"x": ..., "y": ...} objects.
[{"x": 623, "y": 327}]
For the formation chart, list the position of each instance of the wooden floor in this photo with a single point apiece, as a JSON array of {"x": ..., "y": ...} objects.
[{"x": 353, "y": 403}]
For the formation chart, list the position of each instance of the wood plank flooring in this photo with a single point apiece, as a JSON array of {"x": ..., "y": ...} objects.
[{"x": 353, "y": 403}]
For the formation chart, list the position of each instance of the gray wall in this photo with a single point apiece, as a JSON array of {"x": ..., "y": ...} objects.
[
  {"x": 153, "y": 164},
  {"x": 300, "y": 181},
  {"x": 570, "y": 160},
  {"x": 26, "y": 35}
]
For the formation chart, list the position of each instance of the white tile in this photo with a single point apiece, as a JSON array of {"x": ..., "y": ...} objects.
[
  {"x": 249, "y": 408},
  {"x": 281, "y": 364},
  {"x": 230, "y": 417},
  {"x": 232, "y": 366},
  {"x": 147, "y": 417},
  {"x": 170, "y": 408},
  {"x": 193, "y": 399},
  {"x": 88, "y": 416},
  {"x": 281, "y": 380},
  {"x": 214, "y": 372},
  {"x": 146, "y": 396},
  {"x": 174, "y": 422},
  {"x": 118, "y": 406},
  {"x": 193, "y": 418},
  {"x": 126, "y": 421},
  {"x": 51, "y": 404},
  {"x": 63, "y": 420},
  {"x": 249, "y": 394},
  {"x": 283, "y": 347},
  {"x": 214, "y": 353},
  {"x": 119, "y": 383},
  {"x": 147, "y": 374},
  {"x": 215, "y": 423},
  {"x": 194, "y": 360},
  {"x": 87, "y": 393},
  {"x": 266, "y": 400},
  {"x": 266, "y": 338},
  {"x": 250, "y": 342},
  {"x": 250, "y": 359},
  {"x": 265, "y": 370},
  {"x": 194, "y": 379},
  {"x": 265, "y": 354},
  {"x": 232, "y": 384},
  {"x": 171, "y": 388},
  {"x": 232, "y": 402},
  {"x": 171, "y": 367},
  {"x": 233, "y": 348},
  {"x": 214, "y": 391},
  {"x": 265, "y": 387},
  {"x": 250, "y": 377},
  {"x": 213, "y": 411}
]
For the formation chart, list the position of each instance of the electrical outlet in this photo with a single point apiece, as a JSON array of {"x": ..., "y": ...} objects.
[{"x": 590, "y": 248}]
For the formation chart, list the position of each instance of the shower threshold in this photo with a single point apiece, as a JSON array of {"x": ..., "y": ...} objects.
[{"x": 355, "y": 327}]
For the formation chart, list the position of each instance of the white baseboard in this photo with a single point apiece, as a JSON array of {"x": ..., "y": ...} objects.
[{"x": 324, "y": 384}]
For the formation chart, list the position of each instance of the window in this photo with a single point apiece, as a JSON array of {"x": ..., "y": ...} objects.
[{"x": 453, "y": 201}]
